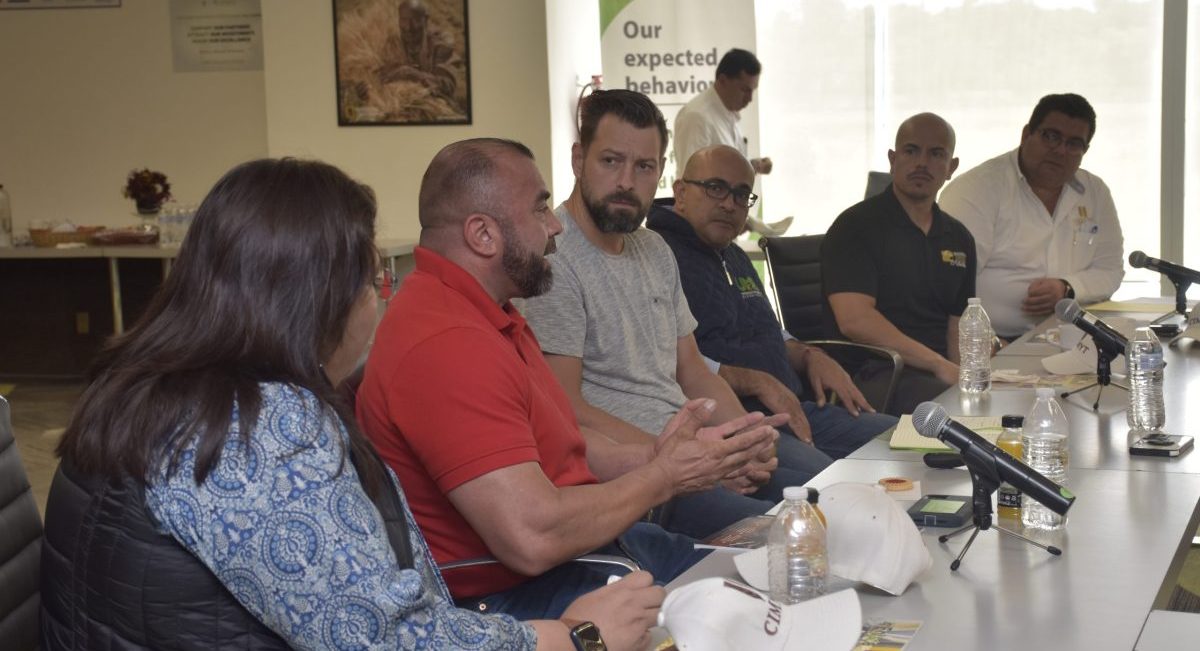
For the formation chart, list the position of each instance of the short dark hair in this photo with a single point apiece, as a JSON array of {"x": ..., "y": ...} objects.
[
  {"x": 1070, "y": 105},
  {"x": 630, "y": 106},
  {"x": 458, "y": 179},
  {"x": 262, "y": 290},
  {"x": 737, "y": 61}
]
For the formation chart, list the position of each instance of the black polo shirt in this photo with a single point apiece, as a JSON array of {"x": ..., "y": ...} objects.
[{"x": 918, "y": 280}]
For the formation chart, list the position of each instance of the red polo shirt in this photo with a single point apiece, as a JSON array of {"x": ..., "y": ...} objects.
[{"x": 455, "y": 388}]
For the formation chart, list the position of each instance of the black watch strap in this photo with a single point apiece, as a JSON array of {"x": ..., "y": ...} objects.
[{"x": 586, "y": 637}]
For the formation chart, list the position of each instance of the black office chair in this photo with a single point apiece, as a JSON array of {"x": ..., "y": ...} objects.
[
  {"x": 20, "y": 546},
  {"x": 794, "y": 267}
]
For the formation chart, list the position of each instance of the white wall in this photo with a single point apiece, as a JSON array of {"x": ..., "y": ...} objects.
[
  {"x": 573, "y": 53},
  {"x": 508, "y": 86},
  {"x": 86, "y": 95}
]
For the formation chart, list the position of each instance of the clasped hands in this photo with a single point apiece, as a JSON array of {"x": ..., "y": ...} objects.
[{"x": 739, "y": 454}]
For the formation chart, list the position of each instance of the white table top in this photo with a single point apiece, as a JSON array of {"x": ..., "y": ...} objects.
[{"x": 1122, "y": 549}]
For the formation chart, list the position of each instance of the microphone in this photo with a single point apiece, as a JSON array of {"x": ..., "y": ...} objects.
[
  {"x": 931, "y": 421},
  {"x": 1139, "y": 260},
  {"x": 1104, "y": 335}
]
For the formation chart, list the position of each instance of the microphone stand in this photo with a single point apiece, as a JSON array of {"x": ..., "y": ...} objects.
[
  {"x": 1181, "y": 286},
  {"x": 984, "y": 481},
  {"x": 1104, "y": 358}
]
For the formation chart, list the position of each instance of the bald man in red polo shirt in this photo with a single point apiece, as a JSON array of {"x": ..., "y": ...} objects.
[{"x": 458, "y": 399}]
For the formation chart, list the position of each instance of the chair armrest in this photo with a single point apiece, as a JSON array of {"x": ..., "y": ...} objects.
[
  {"x": 594, "y": 559},
  {"x": 880, "y": 352},
  {"x": 840, "y": 350}
]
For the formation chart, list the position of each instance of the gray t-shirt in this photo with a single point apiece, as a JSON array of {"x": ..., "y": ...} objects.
[{"x": 623, "y": 316}]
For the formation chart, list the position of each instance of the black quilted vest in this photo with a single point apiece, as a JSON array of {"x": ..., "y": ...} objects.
[{"x": 111, "y": 581}]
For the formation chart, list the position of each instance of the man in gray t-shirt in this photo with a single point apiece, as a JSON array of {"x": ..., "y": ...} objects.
[
  {"x": 615, "y": 327},
  {"x": 622, "y": 316}
]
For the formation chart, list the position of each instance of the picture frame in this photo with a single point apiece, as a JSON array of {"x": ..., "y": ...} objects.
[{"x": 402, "y": 62}]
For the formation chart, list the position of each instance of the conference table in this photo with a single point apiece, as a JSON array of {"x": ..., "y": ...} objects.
[{"x": 1126, "y": 538}]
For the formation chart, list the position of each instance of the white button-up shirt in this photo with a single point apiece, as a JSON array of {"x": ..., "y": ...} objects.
[
  {"x": 704, "y": 121},
  {"x": 1018, "y": 241}
]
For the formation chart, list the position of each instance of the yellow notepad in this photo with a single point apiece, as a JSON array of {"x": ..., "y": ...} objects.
[{"x": 906, "y": 437}]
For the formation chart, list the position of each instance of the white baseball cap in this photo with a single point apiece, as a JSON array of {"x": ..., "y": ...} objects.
[
  {"x": 724, "y": 615},
  {"x": 869, "y": 538}
]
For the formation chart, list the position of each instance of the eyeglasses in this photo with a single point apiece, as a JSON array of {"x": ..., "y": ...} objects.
[
  {"x": 1053, "y": 137},
  {"x": 385, "y": 284},
  {"x": 718, "y": 190}
]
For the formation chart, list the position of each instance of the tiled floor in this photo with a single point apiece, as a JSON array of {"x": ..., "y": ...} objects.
[{"x": 40, "y": 411}]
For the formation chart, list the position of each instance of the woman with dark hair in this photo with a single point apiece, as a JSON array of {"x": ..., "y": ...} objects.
[{"x": 214, "y": 490}]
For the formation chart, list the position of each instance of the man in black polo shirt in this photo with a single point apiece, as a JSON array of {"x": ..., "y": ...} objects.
[{"x": 897, "y": 271}]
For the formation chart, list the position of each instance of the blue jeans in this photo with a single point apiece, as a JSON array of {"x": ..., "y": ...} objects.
[
  {"x": 835, "y": 431},
  {"x": 662, "y": 554}
]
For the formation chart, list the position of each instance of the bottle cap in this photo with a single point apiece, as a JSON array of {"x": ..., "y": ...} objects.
[
  {"x": 973, "y": 301},
  {"x": 1012, "y": 422},
  {"x": 795, "y": 493},
  {"x": 1045, "y": 392}
]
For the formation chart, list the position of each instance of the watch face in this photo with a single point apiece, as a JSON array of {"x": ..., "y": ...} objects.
[{"x": 587, "y": 637}]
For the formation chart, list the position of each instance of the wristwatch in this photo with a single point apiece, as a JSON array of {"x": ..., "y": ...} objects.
[
  {"x": 585, "y": 636},
  {"x": 1070, "y": 290}
]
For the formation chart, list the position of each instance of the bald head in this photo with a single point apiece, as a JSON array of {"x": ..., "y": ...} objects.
[
  {"x": 931, "y": 123},
  {"x": 462, "y": 179},
  {"x": 923, "y": 159},
  {"x": 704, "y": 160}
]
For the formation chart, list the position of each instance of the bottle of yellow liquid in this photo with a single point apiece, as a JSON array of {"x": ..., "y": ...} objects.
[{"x": 1008, "y": 498}]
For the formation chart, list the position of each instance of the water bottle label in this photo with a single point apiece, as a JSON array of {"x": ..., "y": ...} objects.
[{"x": 1010, "y": 499}]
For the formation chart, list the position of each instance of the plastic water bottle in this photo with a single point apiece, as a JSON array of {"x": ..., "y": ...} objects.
[
  {"x": 1144, "y": 360},
  {"x": 975, "y": 349},
  {"x": 796, "y": 559},
  {"x": 1044, "y": 443},
  {"x": 1008, "y": 497}
]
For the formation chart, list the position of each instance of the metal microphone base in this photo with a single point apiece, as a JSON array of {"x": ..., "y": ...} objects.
[
  {"x": 982, "y": 487},
  {"x": 1104, "y": 358},
  {"x": 976, "y": 528}
]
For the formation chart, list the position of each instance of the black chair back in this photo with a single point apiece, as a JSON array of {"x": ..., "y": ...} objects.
[
  {"x": 20, "y": 546},
  {"x": 794, "y": 267}
]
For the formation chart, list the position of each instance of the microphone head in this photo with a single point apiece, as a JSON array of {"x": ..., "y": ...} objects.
[
  {"x": 1067, "y": 309},
  {"x": 929, "y": 418},
  {"x": 1137, "y": 259}
]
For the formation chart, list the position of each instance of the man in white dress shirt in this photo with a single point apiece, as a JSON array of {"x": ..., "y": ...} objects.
[
  {"x": 1044, "y": 228},
  {"x": 712, "y": 117}
]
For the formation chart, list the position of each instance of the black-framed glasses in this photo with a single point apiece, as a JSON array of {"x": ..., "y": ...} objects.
[
  {"x": 1054, "y": 137},
  {"x": 718, "y": 190},
  {"x": 385, "y": 284}
]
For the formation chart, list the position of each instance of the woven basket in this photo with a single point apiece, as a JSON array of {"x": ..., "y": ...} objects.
[{"x": 45, "y": 237}]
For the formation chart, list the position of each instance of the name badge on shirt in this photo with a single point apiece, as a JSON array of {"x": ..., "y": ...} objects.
[{"x": 954, "y": 258}]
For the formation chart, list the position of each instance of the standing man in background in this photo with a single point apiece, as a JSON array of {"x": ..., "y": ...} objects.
[
  {"x": 896, "y": 271},
  {"x": 1044, "y": 228},
  {"x": 712, "y": 117}
]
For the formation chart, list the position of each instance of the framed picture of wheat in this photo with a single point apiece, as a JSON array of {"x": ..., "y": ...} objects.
[{"x": 402, "y": 62}]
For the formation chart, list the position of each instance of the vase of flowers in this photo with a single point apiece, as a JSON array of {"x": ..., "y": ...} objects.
[{"x": 148, "y": 189}]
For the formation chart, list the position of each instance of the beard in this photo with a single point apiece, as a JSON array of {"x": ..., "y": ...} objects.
[
  {"x": 527, "y": 270},
  {"x": 608, "y": 220}
]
